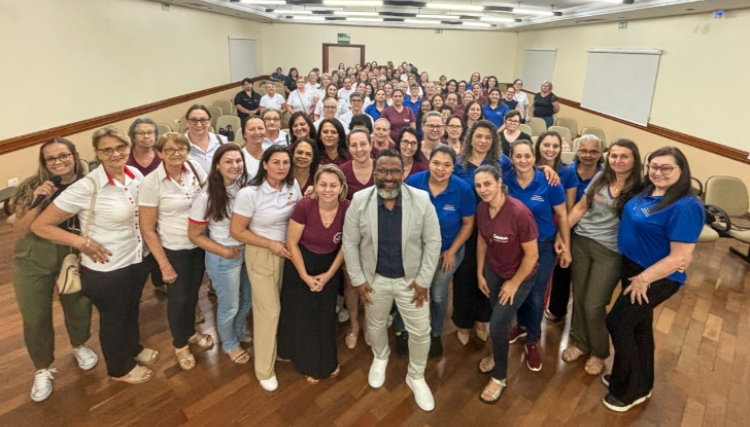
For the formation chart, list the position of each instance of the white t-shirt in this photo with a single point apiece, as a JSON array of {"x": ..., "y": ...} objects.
[
  {"x": 217, "y": 231},
  {"x": 115, "y": 218},
  {"x": 344, "y": 94},
  {"x": 282, "y": 140},
  {"x": 251, "y": 165},
  {"x": 276, "y": 102},
  {"x": 301, "y": 101},
  {"x": 339, "y": 109},
  {"x": 204, "y": 158},
  {"x": 268, "y": 208},
  {"x": 312, "y": 89},
  {"x": 173, "y": 199},
  {"x": 523, "y": 101},
  {"x": 345, "y": 119}
]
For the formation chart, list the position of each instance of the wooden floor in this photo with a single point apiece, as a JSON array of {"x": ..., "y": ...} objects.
[{"x": 702, "y": 361}]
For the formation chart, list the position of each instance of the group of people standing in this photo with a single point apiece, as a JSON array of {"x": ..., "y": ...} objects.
[{"x": 382, "y": 209}]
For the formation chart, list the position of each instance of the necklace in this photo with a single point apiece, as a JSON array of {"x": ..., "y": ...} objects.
[{"x": 614, "y": 190}]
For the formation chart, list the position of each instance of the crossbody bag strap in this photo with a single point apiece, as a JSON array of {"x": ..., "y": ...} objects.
[
  {"x": 192, "y": 168},
  {"x": 90, "y": 217}
]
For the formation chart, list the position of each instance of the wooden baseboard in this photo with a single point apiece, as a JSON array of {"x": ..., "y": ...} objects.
[{"x": 36, "y": 138}]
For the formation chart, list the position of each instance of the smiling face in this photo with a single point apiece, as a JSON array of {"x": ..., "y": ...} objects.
[
  {"x": 380, "y": 95},
  {"x": 589, "y": 154},
  {"x": 303, "y": 155},
  {"x": 475, "y": 77},
  {"x": 441, "y": 167},
  {"x": 359, "y": 147},
  {"x": 487, "y": 186},
  {"x": 481, "y": 141},
  {"x": 272, "y": 120},
  {"x": 476, "y": 90},
  {"x": 494, "y": 97},
  {"x": 550, "y": 148},
  {"x": 546, "y": 87},
  {"x": 468, "y": 97},
  {"x": 231, "y": 165},
  {"x": 429, "y": 89},
  {"x": 663, "y": 172},
  {"x": 511, "y": 123},
  {"x": 247, "y": 87},
  {"x": 461, "y": 87},
  {"x": 388, "y": 88},
  {"x": 409, "y": 145},
  {"x": 328, "y": 187},
  {"x": 620, "y": 159},
  {"x": 300, "y": 129},
  {"x": 198, "y": 122},
  {"x": 451, "y": 100},
  {"x": 144, "y": 135},
  {"x": 454, "y": 128},
  {"x": 451, "y": 86},
  {"x": 329, "y": 108},
  {"x": 388, "y": 176},
  {"x": 425, "y": 106},
  {"x": 58, "y": 159},
  {"x": 475, "y": 111},
  {"x": 112, "y": 152},
  {"x": 329, "y": 135},
  {"x": 270, "y": 90},
  {"x": 173, "y": 154},
  {"x": 522, "y": 158},
  {"x": 255, "y": 131},
  {"x": 437, "y": 102},
  {"x": 433, "y": 128}
]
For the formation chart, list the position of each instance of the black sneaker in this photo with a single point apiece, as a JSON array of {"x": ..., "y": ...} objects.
[
  {"x": 436, "y": 348},
  {"x": 402, "y": 344},
  {"x": 616, "y": 405}
]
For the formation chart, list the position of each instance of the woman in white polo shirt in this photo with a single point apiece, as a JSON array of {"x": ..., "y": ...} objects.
[
  {"x": 203, "y": 143},
  {"x": 113, "y": 269},
  {"x": 165, "y": 198},
  {"x": 225, "y": 259},
  {"x": 260, "y": 220},
  {"x": 301, "y": 99},
  {"x": 271, "y": 99}
]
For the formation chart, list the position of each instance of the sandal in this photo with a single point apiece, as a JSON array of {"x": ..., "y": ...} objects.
[
  {"x": 572, "y": 353},
  {"x": 199, "y": 317},
  {"x": 139, "y": 374},
  {"x": 594, "y": 366},
  {"x": 335, "y": 373},
  {"x": 484, "y": 365},
  {"x": 312, "y": 380},
  {"x": 185, "y": 358},
  {"x": 147, "y": 356},
  {"x": 238, "y": 355},
  {"x": 351, "y": 339},
  {"x": 204, "y": 342},
  {"x": 464, "y": 337},
  {"x": 493, "y": 397}
]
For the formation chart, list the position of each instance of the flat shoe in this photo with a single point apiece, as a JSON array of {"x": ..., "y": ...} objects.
[
  {"x": 147, "y": 356},
  {"x": 185, "y": 358},
  {"x": 351, "y": 340},
  {"x": 572, "y": 353},
  {"x": 493, "y": 396},
  {"x": 204, "y": 342},
  {"x": 138, "y": 375},
  {"x": 463, "y": 338}
]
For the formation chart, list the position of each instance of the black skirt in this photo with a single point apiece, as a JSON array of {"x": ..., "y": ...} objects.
[{"x": 307, "y": 323}]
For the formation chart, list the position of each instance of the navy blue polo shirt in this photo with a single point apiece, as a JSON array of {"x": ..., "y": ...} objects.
[
  {"x": 468, "y": 174},
  {"x": 452, "y": 205},
  {"x": 645, "y": 235},
  {"x": 495, "y": 115},
  {"x": 540, "y": 198},
  {"x": 413, "y": 105},
  {"x": 568, "y": 176},
  {"x": 583, "y": 184}
]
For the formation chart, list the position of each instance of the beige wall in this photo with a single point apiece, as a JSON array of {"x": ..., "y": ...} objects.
[
  {"x": 454, "y": 53},
  {"x": 703, "y": 74},
  {"x": 65, "y": 61}
]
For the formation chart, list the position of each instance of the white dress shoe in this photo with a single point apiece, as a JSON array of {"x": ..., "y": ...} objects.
[
  {"x": 270, "y": 384},
  {"x": 422, "y": 393},
  {"x": 376, "y": 378}
]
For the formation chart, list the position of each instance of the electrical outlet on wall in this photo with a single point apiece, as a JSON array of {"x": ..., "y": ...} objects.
[{"x": 12, "y": 182}]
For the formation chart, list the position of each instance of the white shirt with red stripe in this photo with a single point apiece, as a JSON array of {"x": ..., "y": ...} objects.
[
  {"x": 173, "y": 199},
  {"x": 218, "y": 231},
  {"x": 115, "y": 223}
]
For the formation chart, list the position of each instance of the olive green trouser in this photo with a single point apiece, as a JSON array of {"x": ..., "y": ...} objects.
[{"x": 36, "y": 265}]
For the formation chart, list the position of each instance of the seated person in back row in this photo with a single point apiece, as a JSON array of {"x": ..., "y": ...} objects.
[{"x": 247, "y": 102}]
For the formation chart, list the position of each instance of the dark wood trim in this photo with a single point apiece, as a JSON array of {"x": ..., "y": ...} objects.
[
  {"x": 325, "y": 53},
  {"x": 693, "y": 141},
  {"x": 35, "y": 138}
]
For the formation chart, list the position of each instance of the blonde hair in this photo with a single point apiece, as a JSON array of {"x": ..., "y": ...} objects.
[
  {"x": 332, "y": 169},
  {"x": 175, "y": 137},
  {"x": 112, "y": 131}
]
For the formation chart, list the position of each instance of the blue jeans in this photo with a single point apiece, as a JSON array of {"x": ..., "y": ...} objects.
[
  {"x": 548, "y": 120},
  {"x": 232, "y": 286},
  {"x": 530, "y": 313},
  {"x": 438, "y": 297}
]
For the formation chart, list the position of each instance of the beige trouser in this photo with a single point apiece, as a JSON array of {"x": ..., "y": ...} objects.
[{"x": 265, "y": 271}]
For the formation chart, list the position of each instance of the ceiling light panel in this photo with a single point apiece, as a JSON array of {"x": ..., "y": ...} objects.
[
  {"x": 355, "y": 3},
  {"x": 309, "y": 18},
  {"x": 533, "y": 12},
  {"x": 421, "y": 22},
  {"x": 477, "y": 24},
  {"x": 292, "y": 12},
  {"x": 466, "y": 7},
  {"x": 347, "y": 13},
  {"x": 356, "y": 19},
  {"x": 262, "y": 1},
  {"x": 496, "y": 19},
  {"x": 437, "y": 16}
]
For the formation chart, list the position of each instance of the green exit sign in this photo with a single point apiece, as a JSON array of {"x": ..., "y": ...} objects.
[
  {"x": 343, "y": 38},
  {"x": 623, "y": 25},
  {"x": 438, "y": 31}
]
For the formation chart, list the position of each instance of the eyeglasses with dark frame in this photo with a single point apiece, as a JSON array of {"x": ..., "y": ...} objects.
[
  {"x": 64, "y": 157},
  {"x": 109, "y": 152},
  {"x": 666, "y": 170}
]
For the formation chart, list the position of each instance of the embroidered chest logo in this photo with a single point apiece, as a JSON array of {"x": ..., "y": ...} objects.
[
  {"x": 449, "y": 208},
  {"x": 537, "y": 198},
  {"x": 337, "y": 237},
  {"x": 500, "y": 239}
]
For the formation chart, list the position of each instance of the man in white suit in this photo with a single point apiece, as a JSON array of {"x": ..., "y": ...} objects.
[{"x": 391, "y": 245}]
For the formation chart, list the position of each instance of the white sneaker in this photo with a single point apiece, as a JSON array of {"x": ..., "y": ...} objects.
[
  {"x": 376, "y": 378},
  {"x": 270, "y": 384},
  {"x": 422, "y": 393},
  {"x": 343, "y": 315},
  {"x": 85, "y": 357},
  {"x": 42, "y": 387}
]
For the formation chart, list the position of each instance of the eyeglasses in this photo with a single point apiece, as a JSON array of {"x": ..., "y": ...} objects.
[
  {"x": 62, "y": 158},
  {"x": 666, "y": 170},
  {"x": 108, "y": 152},
  {"x": 453, "y": 127},
  {"x": 588, "y": 152},
  {"x": 171, "y": 151},
  {"x": 330, "y": 106},
  {"x": 196, "y": 121},
  {"x": 144, "y": 133},
  {"x": 433, "y": 127},
  {"x": 271, "y": 119},
  {"x": 409, "y": 143},
  {"x": 382, "y": 172},
  {"x": 512, "y": 122}
]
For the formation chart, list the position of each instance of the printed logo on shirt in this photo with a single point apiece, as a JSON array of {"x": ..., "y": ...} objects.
[
  {"x": 646, "y": 212},
  {"x": 337, "y": 237},
  {"x": 537, "y": 198},
  {"x": 449, "y": 208},
  {"x": 290, "y": 200},
  {"x": 500, "y": 239},
  {"x": 406, "y": 120}
]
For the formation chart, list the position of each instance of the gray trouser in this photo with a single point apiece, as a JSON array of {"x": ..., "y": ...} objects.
[
  {"x": 416, "y": 320},
  {"x": 596, "y": 271}
]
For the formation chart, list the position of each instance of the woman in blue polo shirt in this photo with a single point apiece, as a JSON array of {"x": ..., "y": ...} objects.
[
  {"x": 495, "y": 109},
  {"x": 658, "y": 231},
  {"x": 529, "y": 185},
  {"x": 455, "y": 205}
]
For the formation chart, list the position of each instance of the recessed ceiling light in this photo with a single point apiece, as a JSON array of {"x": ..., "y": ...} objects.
[
  {"x": 352, "y": 3},
  {"x": 421, "y": 21},
  {"x": 467, "y": 7},
  {"x": 309, "y": 18},
  {"x": 532, "y": 12},
  {"x": 347, "y": 13},
  {"x": 476, "y": 24},
  {"x": 437, "y": 16},
  {"x": 263, "y": 1}
]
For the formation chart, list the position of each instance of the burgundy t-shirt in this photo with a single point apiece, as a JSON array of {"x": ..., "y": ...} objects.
[
  {"x": 148, "y": 169},
  {"x": 317, "y": 238},
  {"x": 376, "y": 150},
  {"x": 398, "y": 120},
  {"x": 338, "y": 161},
  {"x": 504, "y": 233},
  {"x": 418, "y": 166},
  {"x": 352, "y": 182}
]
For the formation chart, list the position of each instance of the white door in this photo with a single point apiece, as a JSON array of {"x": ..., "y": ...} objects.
[{"x": 243, "y": 58}]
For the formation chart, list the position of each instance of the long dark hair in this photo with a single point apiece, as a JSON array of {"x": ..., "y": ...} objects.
[
  {"x": 342, "y": 147},
  {"x": 495, "y": 149},
  {"x": 258, "y": 180},
  {"x": 466, "y": 111},
  {"x": 310, "y": 125},
  {"x": 679, "y": 189},
  {"x": 218, "y": 198},
  {"x": 418, "y": 154},
  {"x": 633, "y": 184},
  {"x": 537, "y": 148},
  {"x": 316, "y": 153}
]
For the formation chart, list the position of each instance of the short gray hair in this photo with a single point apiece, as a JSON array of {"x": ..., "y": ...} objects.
[
  {"x": 589, "y": 137},
  {"x": 139, "y": 121},
  {"x": 432, "y": 114},
  {"x": 357, "y": 94}
]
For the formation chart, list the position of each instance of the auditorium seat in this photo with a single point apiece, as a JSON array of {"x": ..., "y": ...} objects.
[
  {"x": 569, "y": 123},
  {"x": 567, "y": 156},
  {"x": 285, "y": 117},
  {"x": 163, "y": 128},
  {"x": 227, "y": 120},
  {"x": 525, "y": 129},
  {"x": 599, "y": 132},
  {"x": 226, "y": 106},
  {"x": 727, "y": 203},
  {"x": 567, "y": 137},
  {"x": 216, "y": 112},
  {"x": 537, "y": 126}
]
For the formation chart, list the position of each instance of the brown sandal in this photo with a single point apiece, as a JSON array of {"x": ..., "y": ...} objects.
[
  {"x": 594, "y": 366},
  {"x": 238, "y": 355},
  {"x": 185, "y": 358},
  {"x": 204, "y": 342},
  {"x": 147, "y": 356},
  {"x": 138, "y": 375},
  {"x": 335, "y": 373},
  {"x": 572, "y": 353}
]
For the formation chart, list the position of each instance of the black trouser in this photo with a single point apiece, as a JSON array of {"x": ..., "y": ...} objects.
[
  {"x": 559, "y": 293},
  {"x": 631, "y": 328},
  {"x": 182, "y": 297},
  {"x": 469, "y": 303},
  {"x": 117, "y": 297}
]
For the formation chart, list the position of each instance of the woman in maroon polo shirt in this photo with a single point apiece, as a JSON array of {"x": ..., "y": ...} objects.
[
  {"x": 398, "y": 115},
  {"x": 507, "y": 256},
  {"x": 411, "y": 152},
  {"x": 307, "y": 323},
  {"x": 331, "y": 142},
  {"x": 305, "y": 159}
]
